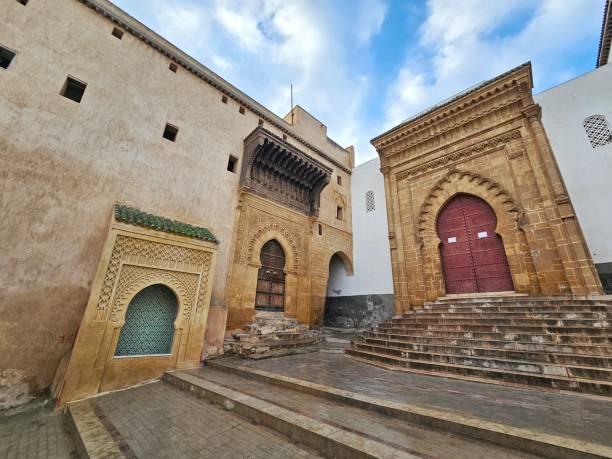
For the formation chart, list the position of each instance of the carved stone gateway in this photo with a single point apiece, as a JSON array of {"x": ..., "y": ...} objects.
[
  {"x": 488, "y": 142},
  {"x": 141, "y": 250},
  {"x": 276, "y": 170}
]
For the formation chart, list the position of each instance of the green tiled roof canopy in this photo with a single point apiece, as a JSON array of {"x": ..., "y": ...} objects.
[{"x": 134, "y": 216}]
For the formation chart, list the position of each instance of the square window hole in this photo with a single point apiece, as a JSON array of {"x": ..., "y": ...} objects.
[
  {"x": 73, "y": 89},
  {"x": 170, "y": 132},
  {"x": 339, "y": 213},
  {"x": 320, "y": 230},
  {"x": 339, "y": 180},
  {"x": 173, "y": 67},
  {"x": 224, "y": 99},
  {"x": 241, "y": 110},
  {"x": 231, "y": 163},
  {"x": 284, "y": 136},
  {"x": 117, "y": 33},
  {"x": 6, "y": 57},
  {"x": 260, "y": 123}
]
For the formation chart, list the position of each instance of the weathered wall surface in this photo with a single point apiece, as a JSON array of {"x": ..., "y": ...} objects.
[
  {"x": 586, "y": 170},
  {"x": 64, "y": 163},
  {"x": 358, "y": 311}
]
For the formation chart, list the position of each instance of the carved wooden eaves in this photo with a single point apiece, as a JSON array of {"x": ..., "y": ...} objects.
[{"x": 276, "y": 170}]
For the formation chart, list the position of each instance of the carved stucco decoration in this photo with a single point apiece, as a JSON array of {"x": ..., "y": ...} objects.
[
  {"x": 460, "y": 154},
  {"x": 277, "y": 170},
  {"x": 260, "y": 224},
  {"x": 489, "y": 189},
  {"x": 135, "y": 278}
]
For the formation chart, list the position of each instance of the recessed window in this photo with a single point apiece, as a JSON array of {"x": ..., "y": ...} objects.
[
  {"x": 231, "y": 163},
  {"x": 339, "y": 213},
  {"x": 6, "y": 57},
  {"x": 173, "y": 67},
  {"x": 369, "y": 200},
  {"x": 284, "y": 136},
  {"x": 73, "y": 89},
  {"x": 320, "y": 230},
  {"x": 170, "y": 132},
  {"x": 224, "y": 99},
  {"x": 339, "y": 179},
  {"x": 117, "y": 33},
  {"x": 260, "y": 123},
  {"x": 597, "y": 130},
  {"x": 23, "y": 2},
  {"x": 241, "y": 110}
]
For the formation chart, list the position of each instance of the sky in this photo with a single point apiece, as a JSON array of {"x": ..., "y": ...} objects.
[{"x": 363, "y": 66}]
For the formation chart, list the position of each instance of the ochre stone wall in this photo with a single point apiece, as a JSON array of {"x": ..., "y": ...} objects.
[
  {"x": 489, "y": 143},
  {"x": 307, "y": 256}
]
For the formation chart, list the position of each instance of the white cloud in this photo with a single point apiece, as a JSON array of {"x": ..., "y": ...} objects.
[{"x": 467, "y": 41}]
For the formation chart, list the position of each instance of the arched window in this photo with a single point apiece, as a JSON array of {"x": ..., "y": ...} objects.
[
  {"x": 149, "y": 323},
  {"x": 369, "y": 200},
  {"x": 597, "y": 130}
]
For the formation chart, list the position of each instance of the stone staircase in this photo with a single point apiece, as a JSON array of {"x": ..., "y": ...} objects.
[{"x": 555, "y": 342}]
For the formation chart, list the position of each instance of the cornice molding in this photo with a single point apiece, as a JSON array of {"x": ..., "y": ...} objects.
[
  {"x": 158, "y": 43},
  {"x": 459, "y": 154}
]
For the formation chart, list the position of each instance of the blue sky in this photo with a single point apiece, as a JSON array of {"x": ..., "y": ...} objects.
[{"x": 362, "y": 66}]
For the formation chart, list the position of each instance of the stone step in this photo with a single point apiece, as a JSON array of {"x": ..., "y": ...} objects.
[
  {"x": 486, "y": 320},
  {"x": 586, "y": 349},
  {"x": 516, "y": 306},
  {"x": 519, "y": 337},
  {"x": 574, "y": 383},
  {"x": 555, "y": 358},
  {"x": 465, "y": 422},
  {"x": 556, "y": 299},
  {"x": 506, "y": 329},
  {"x": 523, "y": 366},
  {"x": 524, "y": 312}
]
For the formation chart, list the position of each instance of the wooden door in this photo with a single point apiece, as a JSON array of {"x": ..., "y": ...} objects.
[
  {"x": 473, "y": 256},
  {"x": 271, "y": 278}
]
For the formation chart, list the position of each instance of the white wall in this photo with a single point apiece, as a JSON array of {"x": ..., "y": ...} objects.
[
  {"x": 587, "y": 171},
  {"x": 371, "y": 256}
]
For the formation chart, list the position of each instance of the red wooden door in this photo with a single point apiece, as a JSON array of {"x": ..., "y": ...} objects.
[{"x": 473, "y": 256}]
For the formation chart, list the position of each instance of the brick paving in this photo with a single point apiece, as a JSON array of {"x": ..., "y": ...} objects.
[
  {"x": 160, "y": 421},
  {"x": 41, "y": 433},
  {"x": 587, "y": 418}
]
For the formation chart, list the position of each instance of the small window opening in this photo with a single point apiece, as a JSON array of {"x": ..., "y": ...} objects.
[
  {"x": 339, "y": 213},
  {"x": 117, "y": 33},
  {"x": 320, "y": 230},
  {"x": 231, "y": 163},
  {"x": 597, "y": 130},
  {"x": 6, "y": 57},
  {"x": 224, "y": 99},
  {"x": 23, "y": 2},
  {"x": 284, "y": 136},
  {"x": 369, "y": 199},
  {"x": 260, "y": 123},
  {"x": 173, "y": 67},
  {"x": 241, "y": 110},
  {"x": 170, "y": 132},
  {"x": 339, "y": 179},
  {"x": 73, "y": 89}
]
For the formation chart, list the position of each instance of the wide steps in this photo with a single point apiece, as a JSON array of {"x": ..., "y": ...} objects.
[{"x": 563, "y": 343}]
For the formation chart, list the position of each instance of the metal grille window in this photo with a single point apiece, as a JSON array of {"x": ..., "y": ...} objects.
[
  {"x": 149, "y": 323},
  {"x": 598, "y": 130},
  {"x": 369, "y": 199}
]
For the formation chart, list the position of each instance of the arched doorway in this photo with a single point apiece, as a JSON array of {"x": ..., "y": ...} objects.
[
  {"x": 473, "y": 256},
  {"x": 271, "y": 278},
  {"x": 149, "y": 323}
]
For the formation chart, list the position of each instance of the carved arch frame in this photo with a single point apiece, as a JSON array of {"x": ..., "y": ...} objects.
[{"x": 509, "y": 221}]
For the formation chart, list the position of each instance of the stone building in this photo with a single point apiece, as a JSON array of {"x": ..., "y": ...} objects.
[
  {"x": 132, "y": 172},
  {"x": 476, "y": 203}
]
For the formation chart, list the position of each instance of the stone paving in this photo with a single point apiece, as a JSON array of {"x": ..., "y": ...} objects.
[
  {"x": 576, "y": 416},
  {"x": 41, "y": 433},
  {"x": 160, "y": 421}
]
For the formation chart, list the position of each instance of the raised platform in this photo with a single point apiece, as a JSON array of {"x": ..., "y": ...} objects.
[{"x": 554, "y": 342}]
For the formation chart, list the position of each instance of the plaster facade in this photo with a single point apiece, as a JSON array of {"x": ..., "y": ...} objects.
[
  {"x": 70, "y": 161},
  {"x": 488, "y": 142},
  {"x": 586, "y": 169}
]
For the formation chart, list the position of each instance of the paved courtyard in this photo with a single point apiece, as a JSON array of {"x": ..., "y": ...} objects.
[{"x": 576, "y": 416}]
